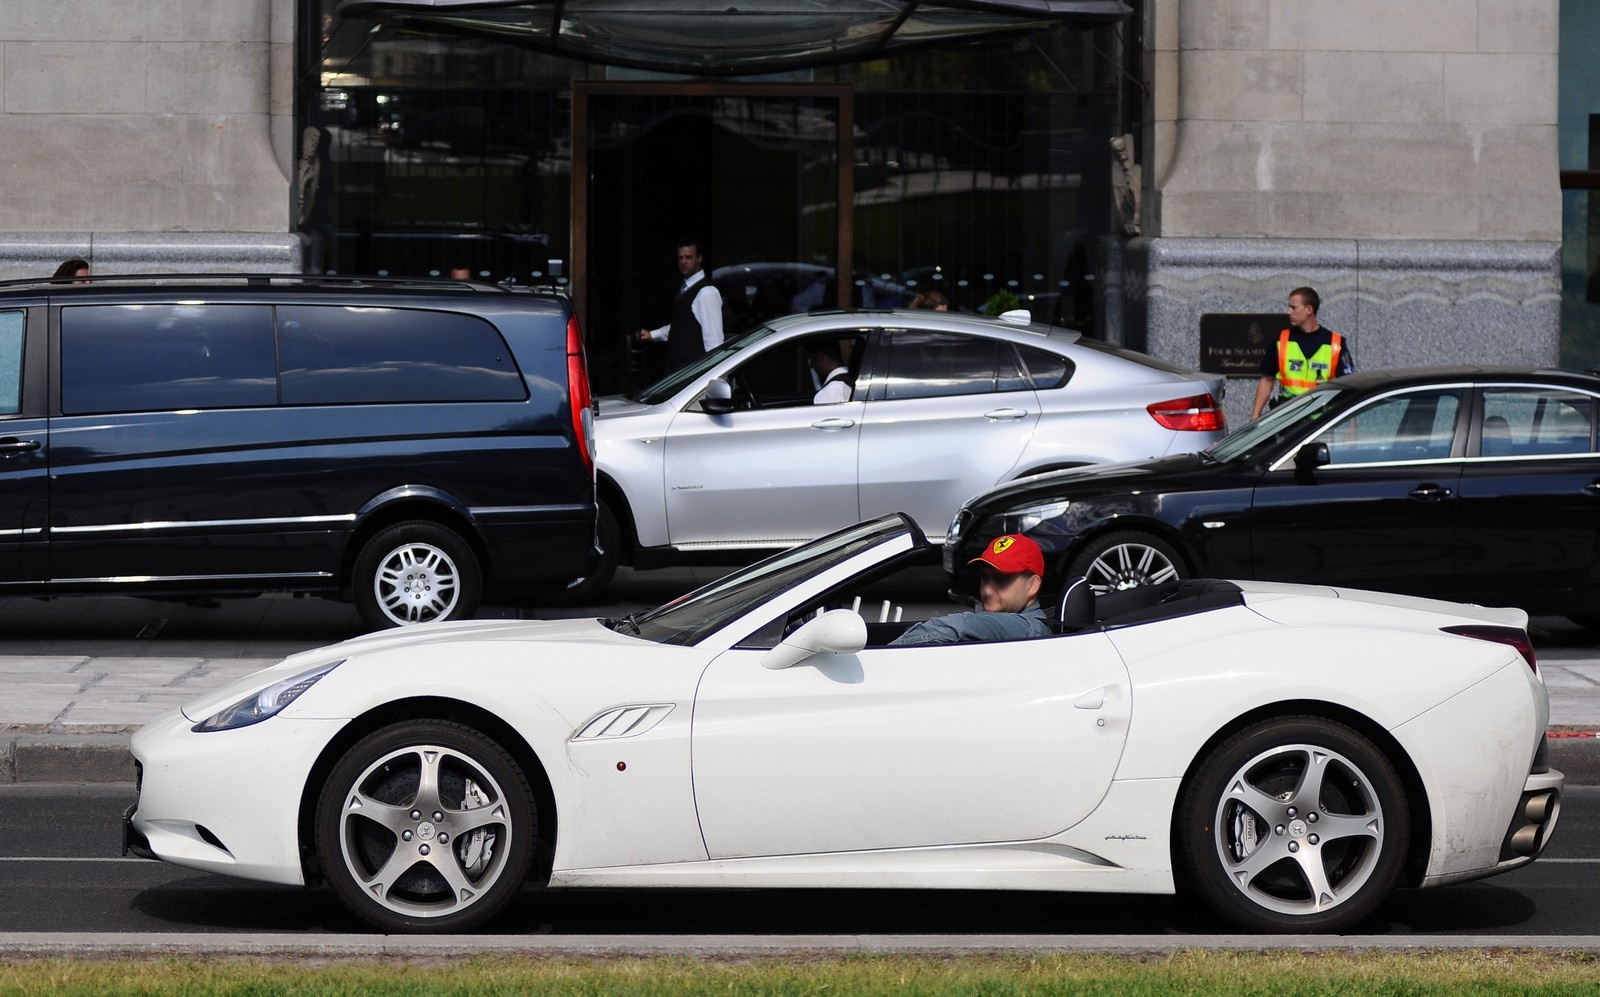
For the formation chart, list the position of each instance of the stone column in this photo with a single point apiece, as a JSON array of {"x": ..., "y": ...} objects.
[
  {"x": 1397, "y": 155},
  {"x": 148, "y": 135}
]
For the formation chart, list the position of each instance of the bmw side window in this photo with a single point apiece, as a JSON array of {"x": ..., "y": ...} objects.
[
  {"x": 1048, "y": 370},
  {"x": 1419, "y": 425},
  {"x": 156, "y": 358},
  {"x": 11, "y": 327},
  {"x": 785, "y": 375},
  {"x": 332, "y": 354},
  {"x": 938, "y": 364},
  {"x": 1526, "y": 422}
]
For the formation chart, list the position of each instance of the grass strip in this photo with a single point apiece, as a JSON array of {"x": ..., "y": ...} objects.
[{"x": 1236, "y": 974}]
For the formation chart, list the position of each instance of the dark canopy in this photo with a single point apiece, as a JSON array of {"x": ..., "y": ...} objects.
[{"x": 732, "y": 37}]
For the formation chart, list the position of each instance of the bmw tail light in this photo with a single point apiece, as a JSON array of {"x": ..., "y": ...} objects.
[
  {"x": 1195, "y": 414},
  {"x": 1511, "y": 636},
  {"x": 578, "y": 394}
]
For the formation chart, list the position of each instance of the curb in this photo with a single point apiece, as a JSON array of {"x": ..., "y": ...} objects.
[{"x": 105, "y": 758}]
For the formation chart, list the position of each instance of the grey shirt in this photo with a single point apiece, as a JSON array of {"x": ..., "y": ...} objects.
[{"x": 958, "y": 627}]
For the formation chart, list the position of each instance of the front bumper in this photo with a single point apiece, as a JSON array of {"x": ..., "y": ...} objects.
[{"x": 226, "y": 802}]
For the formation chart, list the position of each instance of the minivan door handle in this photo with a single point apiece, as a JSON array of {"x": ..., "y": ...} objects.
[
  {"x": 1593, "y": 487},
  {"x": 829, "y": 425},
  {"x": 1430, "y": 492},
  {"x": 1005, "y": 413},
  {"x": 10, "y": 444}
]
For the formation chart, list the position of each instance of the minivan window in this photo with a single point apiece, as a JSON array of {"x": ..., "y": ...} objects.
[
  {"x": 153, "y": 358},
  {"x": 334, "y": 354},
  {"x": 11, "y": 325}
]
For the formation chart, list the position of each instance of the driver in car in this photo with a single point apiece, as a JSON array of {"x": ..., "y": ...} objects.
[{"x": 1010, "y": 571}]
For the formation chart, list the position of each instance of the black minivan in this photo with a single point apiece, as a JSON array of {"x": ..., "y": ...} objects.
[{"x": 409, "y": 444}]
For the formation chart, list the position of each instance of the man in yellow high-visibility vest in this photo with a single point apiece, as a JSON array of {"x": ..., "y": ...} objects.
[{"x": 1305, "y": 355}]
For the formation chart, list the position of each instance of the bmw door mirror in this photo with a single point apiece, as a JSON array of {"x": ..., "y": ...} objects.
[
  {"x": 838, "y": 631},
  {"x": 717, "y": 399},
  {"x": 1312, "y": 456}
]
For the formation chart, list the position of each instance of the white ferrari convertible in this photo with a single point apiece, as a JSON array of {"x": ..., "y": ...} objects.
[{"x": 1286, "y": 754}]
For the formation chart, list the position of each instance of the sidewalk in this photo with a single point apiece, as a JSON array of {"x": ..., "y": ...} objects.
[{"x": 70, "y": 706}]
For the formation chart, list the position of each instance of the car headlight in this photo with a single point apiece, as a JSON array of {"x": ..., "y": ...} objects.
[
  {"x": 954, "y": 532},
  {"x": 1023, "y": 520},
  {"x": 268, "y": 702}
]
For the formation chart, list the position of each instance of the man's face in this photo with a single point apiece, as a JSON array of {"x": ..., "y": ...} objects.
[
  {"x": 1299, "y": 311},
  {"x": 688, "y": 260},
  {"x": 1002, "y": 593}
]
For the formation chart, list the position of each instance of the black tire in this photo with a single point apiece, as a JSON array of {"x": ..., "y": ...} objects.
[
  {"x": 1252, "y": 832},
  {"x": 1126, "y": 559},
  {"x": 591, "y": 588},
  {"x": 458, "y": 861},
  {"x": 416, "y": 572}
]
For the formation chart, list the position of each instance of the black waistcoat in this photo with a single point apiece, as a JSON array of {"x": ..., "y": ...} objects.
[{"x": 686, "y": 341}]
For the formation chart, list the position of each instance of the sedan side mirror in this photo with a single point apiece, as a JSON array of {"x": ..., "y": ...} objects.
[
  {"x": 1312, "y": 456},
  {"x": 838, "y": 631},
  {"x": 717, "y": 398}
]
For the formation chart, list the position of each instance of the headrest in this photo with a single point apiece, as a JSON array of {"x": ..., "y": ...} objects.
[{"x": 1077, "y": 607}]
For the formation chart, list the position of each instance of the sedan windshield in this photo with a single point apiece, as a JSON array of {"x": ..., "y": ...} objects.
[
  {"x": 675, "y": 381},
  {"x": 1287, "y": 422},
  {"x": 689, "y": 618}
]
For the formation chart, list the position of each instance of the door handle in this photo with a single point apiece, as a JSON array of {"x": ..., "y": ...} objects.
[
  {"x": 1593, "y": 487},
  {"x": 1005, "y": 413},
  {"x": 1428, "y": 492},
  {"x": 11, "y": 444},
  {"x": 829, "y": 425}
]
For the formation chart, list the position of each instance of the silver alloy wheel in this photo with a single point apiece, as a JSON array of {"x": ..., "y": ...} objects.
[
  {"x": 425, "y": 831},
  {"x": 1299, "y": 829},
  {"x": 416, "y": 583},
  {"x": 1129, "y": 565}
]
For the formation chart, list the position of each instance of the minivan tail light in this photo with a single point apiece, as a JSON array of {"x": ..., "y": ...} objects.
[
  {"x": 1196, "y": 414},
  {"x": 1510, "y": 636},
  {"x": 578, "y": 394}
]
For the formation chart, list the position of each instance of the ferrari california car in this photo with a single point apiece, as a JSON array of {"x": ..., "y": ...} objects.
[
  {"x": 1466, "y": 483},
  {"x": 1286, "y": 754}
]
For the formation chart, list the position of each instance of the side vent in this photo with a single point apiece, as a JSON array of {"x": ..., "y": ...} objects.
[{"x": 624, "y": 721}]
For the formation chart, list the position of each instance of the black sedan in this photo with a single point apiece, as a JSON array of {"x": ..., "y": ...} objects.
[{"x": 1467, "y": 483}]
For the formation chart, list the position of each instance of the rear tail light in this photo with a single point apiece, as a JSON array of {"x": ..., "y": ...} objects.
[
  {"x": 578, "y": 394},
  {"x": 1511, "y": 636},
  {"x": 1197, "y": 414}
]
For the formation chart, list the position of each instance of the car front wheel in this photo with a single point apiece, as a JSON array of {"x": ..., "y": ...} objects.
[
  {"x": 1125, "y": 560},
  {"x": 1296, "y": 824},
  {"x": 416, "y": 572},
  {"x": 426, "y": 826}
]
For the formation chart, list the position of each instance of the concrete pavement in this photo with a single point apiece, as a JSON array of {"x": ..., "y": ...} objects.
[{"x": 79, "y": 676}]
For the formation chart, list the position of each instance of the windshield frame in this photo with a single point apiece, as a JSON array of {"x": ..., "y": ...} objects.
[
  {"x": 681, "y": 378},
  {"x": 1295, "y": 418},
  {"x": 758, "y": 591}
]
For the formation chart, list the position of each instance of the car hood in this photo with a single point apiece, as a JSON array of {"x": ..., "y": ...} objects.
[
  {"x": 586, "y": 631},
  {"x": 1157, "y": 473},
  {"x": 616, "y": 406}
]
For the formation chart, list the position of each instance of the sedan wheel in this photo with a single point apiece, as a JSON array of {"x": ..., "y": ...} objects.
[
  {"x": 1293, "y": 825},
  {"x": 426, "y": 826},
  {"x": 416, "y": 572},
  {"x": 1126, "y": 560}
]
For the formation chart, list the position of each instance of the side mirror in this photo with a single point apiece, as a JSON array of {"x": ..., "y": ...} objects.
[
  {"x": 838, "y": 631},
  {"x": 717, "y": 399},
  {"x": 1312, "y": 456}
]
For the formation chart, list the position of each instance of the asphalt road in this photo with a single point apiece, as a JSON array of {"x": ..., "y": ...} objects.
[{"x": 60, "y": 866}]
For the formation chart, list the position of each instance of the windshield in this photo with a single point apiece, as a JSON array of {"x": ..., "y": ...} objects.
[
  {"x": 1288, "y": 421},
  {"x": 689, "y": 618},
  {"x": 678, "y": 379}
]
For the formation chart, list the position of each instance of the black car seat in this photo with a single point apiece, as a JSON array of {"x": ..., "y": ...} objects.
[
  {"x": 1496, "y": 436},
  {"x": 1077, "y": 607}
]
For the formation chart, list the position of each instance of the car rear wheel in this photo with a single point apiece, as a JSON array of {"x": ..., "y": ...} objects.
[
  {"x": 582, "y": 591},
  {"x": 416, "y": 572},
  {"x": 426, "y": 826},
  {"x": 1125, "y": 560},
  {"x": 1295, "y": 824}
]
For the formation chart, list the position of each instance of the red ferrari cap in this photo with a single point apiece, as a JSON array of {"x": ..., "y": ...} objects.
[{"x": 1011, "y": 554}]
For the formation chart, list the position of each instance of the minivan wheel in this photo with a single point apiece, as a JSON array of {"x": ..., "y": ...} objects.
[
  {"x": 590, "y": 588},
  {"x": 416, "y": 572}
]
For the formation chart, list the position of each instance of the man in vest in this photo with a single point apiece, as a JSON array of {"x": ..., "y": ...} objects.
[
  {"x": 1305, "y": 355},
  {"x": 696, "y": 326}
]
